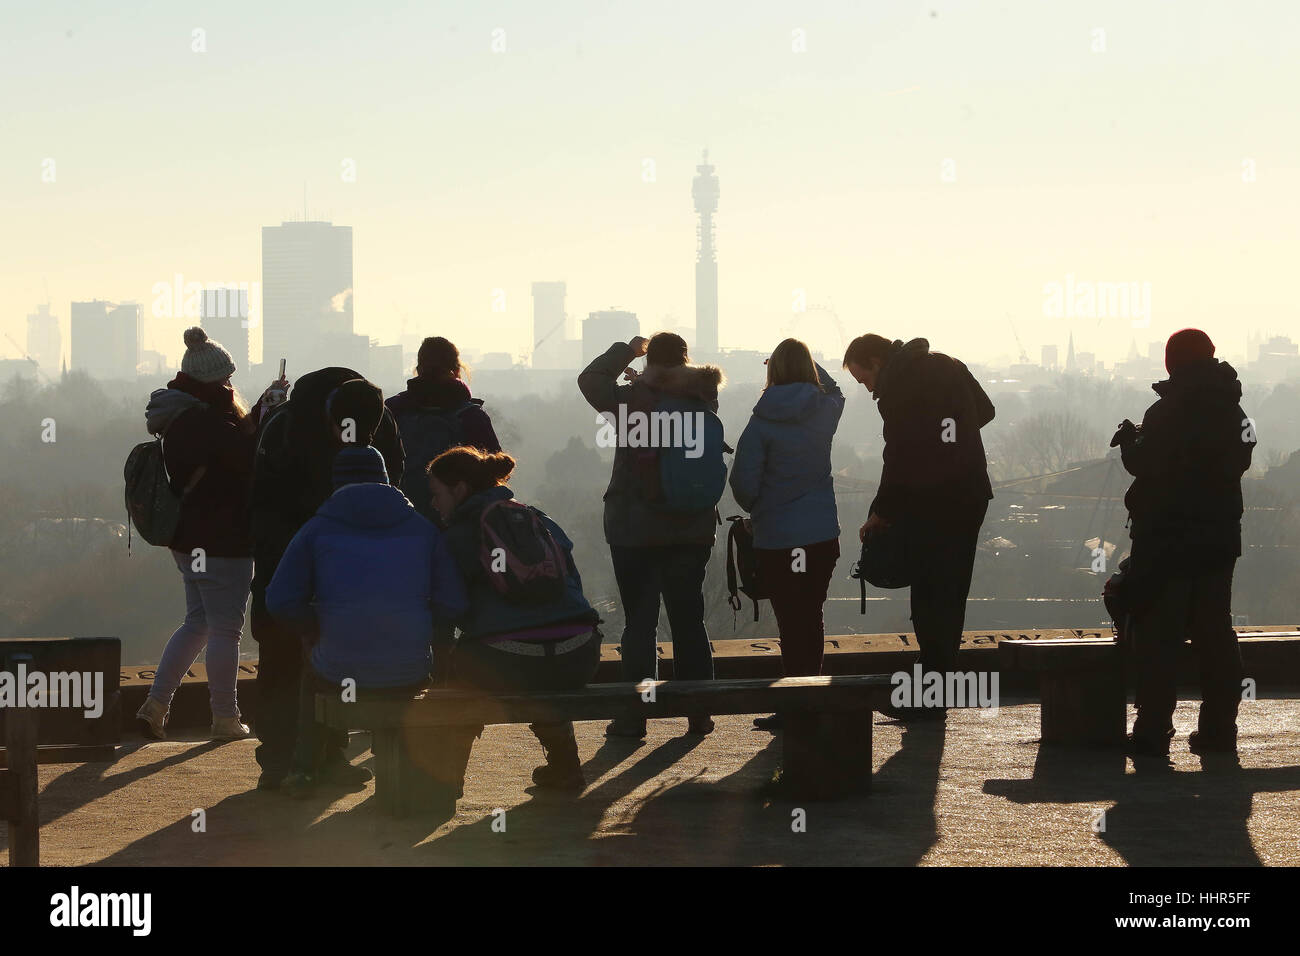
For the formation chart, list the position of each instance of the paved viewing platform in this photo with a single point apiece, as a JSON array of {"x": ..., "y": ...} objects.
[{"x": 979, "y": 793}]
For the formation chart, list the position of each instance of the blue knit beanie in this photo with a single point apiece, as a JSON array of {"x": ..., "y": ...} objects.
[{"x": 357, "y": 464}]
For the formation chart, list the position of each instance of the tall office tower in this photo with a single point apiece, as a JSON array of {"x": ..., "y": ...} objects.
[
  {"x": 106, "y": 339},
  {"x": 600, "y": 330},
  {"x": 223, "y": 313},
  {"x": 705, "y": 193},
  {"x": 550, "y": 328},
  {"x": 44, "y": 343},
  {"x": 307, "y": 296}
]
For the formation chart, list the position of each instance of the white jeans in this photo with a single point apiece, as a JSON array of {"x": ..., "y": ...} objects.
[{"x": 215, "y": 601}]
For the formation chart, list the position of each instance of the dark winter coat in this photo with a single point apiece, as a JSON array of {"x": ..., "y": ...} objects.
[
  {"x": 205, "y": 434},
  {"x": 447, "y": 395},
  {"x": 294, "y": 464},
  {"x": 1187, "y": 460},
  {"x": 934, "y": 468}
]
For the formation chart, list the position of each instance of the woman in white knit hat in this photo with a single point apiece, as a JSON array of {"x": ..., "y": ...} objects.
[{"x": 208, "y": 446}]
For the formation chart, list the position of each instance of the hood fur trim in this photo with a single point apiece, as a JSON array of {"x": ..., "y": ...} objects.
[{"x": 686, "y": 381}]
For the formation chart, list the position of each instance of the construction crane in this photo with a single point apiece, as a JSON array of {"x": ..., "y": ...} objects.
[
  {"x": 1024, "y": 356},
  {"x": 36, "y": 366}
]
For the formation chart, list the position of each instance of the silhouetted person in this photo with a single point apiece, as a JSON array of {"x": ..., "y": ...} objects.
[
  {"x": 782, "y": 477},
  {"x": 292, "y": 477},
  {"x": 1185, "y": 507},
  {"x": 208, "y": 449},
  {"x": 363, "y": 582},
  {"x": 656, "y": 551},
  {"x": 435, "y": 413},
  {"x": 934, "y": 481},
  {"x": 528, "y": 626}
]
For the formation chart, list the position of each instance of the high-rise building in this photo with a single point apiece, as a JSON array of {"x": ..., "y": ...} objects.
[
  {"x": 223, "y": 313},
  {"x": 44, "y": 342},
  {"x": 550, "y": 325},
  {"x": 1049, "y": 358},
  {"x": 106, "y": 339},
  {"x": 704, "y": 191},
  {"x": 307, "y": 296},
  {"x": 600, "y": 330}
]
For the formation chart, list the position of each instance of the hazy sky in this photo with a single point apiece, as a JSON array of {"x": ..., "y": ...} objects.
[{"x": 478, "y": 170}]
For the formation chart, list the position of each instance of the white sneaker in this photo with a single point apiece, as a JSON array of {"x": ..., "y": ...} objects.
[
  {"x": 152, "y": 719},
  {"x": 228, "y": 728}
]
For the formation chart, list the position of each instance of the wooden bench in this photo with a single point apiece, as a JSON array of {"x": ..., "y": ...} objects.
[
  {"x": 1081, "y": 688},
  {"x": 826, "y": 746},
  {"x": 19, "y": 783}
]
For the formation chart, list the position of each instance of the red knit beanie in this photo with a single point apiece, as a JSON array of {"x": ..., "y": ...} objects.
[{"x": 1187, "y": 345}]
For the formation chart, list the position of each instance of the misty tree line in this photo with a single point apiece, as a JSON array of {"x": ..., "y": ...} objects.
[{"x": 66, "y": 570}]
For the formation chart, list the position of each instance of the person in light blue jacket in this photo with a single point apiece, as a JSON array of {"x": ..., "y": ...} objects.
[
  {"x": 782, "y": 476},
  {"x": 364, "y": 582}
]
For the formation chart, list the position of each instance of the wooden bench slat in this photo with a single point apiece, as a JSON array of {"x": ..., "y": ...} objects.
[{"x": 448, "y": 708}]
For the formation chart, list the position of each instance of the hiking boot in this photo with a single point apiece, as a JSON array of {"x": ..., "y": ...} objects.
[
  {"x": 152, "y": 719},
  {"x": 1213, "y": 743},
  {"x": 552, "y": 777},
  {"x": 703, "y": 726},
  {"x": 343, "y": 774},
  {"x": 772, "y": 723},
  {"x": 300, "y": 786},
  {"x": 228, "y": 728},
  {"x": 1141, "y": 745},
  {"x": 623, "y": 727}
]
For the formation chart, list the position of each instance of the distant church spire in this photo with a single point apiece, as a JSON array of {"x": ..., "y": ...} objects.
[{"x": 1069, "y": 356}]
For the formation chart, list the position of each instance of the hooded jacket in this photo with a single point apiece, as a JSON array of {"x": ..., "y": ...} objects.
[
  {"x": 372, "y": 578},
  {"x": 446, "y": 395},
  {"x": 631, "y": 518},
  {"x": 933, "y": 409},
  {"x": 293, "y": 466},
  {"x": 1195, "y": 443},
  {"x": 782, "y": 471},
  {"x": 489, "y": 614},
  {"x": 214, "y": 512}
]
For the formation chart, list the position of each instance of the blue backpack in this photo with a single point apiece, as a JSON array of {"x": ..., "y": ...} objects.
[
  {"x": 426, "y": 434},
  {"x": 686, "y": 483}
]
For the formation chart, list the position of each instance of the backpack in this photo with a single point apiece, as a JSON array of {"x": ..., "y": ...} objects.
[
  {"x": 742, "y": 557},
  {"x": 885, "y": 561},
  {"x": 426, "y": 434},
  {"x": 151, "y": 503},
  {"x": 686, "y": 483},
  {"x": 521, "y": 557}
]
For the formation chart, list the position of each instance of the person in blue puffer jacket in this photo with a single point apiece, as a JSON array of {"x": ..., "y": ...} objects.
[
  {"x": 782, "y": 477},
  {"x": 365, "y": 581}
]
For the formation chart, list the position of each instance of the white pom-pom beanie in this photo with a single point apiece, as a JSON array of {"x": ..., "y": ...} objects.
[{"x": 205, "y": 360}]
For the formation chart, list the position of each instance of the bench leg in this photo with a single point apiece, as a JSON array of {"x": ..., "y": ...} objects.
[
  {"x": 22, "y": 788},
  {"x": 1086, "y": 708},
  {"x": 826, "y": 755},
  {"x": 387, "y": 745}
]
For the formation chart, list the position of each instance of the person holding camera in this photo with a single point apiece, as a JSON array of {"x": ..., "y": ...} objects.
[{"x": 1185, "y": 507}]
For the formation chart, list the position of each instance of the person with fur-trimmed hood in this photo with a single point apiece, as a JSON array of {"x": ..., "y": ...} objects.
[{"x": 656, "y": 552}]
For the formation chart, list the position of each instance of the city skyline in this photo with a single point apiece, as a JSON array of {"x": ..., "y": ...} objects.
[{"x": 917, "y": 172}]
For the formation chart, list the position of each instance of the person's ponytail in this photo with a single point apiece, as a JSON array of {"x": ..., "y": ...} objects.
[{"x": 478, "y": 469}]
